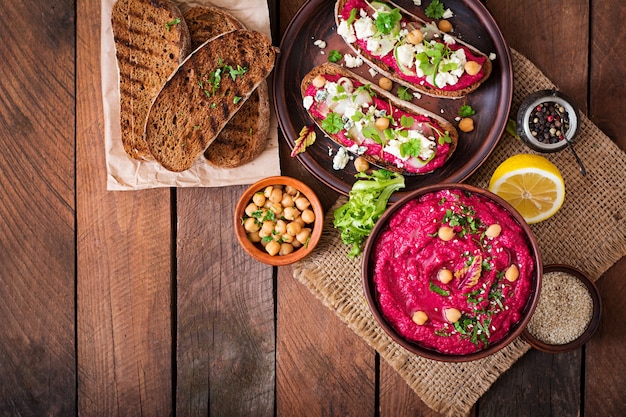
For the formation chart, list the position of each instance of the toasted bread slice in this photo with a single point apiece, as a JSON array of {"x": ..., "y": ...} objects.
[
  {"x": 431, "y": 130},
  {"x": 208, "y": 88},
  {"x": 244, "y": 137},
  {"x": 403, "y": 74},
  {"x": 151, "y": 40}
]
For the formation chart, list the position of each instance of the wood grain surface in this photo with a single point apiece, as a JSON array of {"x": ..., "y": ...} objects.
[{"x": 143, "y": 304}]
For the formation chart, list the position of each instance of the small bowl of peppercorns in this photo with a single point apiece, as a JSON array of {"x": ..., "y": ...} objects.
[{"x": 547, "y": 121}]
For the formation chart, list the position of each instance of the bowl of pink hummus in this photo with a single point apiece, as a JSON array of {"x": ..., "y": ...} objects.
[{"x": 452, "y": 272}]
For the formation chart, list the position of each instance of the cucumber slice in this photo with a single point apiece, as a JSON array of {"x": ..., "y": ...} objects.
[{"x": 403, "y": 67}]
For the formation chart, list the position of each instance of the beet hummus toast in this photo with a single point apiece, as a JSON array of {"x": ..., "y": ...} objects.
[
  {"x": 393, "y": 134},
  {"x": 409, "y": 50}
]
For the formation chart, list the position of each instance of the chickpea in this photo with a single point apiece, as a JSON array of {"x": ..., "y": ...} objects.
[
  {"x": 268, "y": 191},
  {"x": 308, "y": 216},
  {"x": 419, "y": 317},
  {"x": 472, "y": 67},
  {"x": 276, "y": 195},
  {"x": 452, "y": 314},
  {"x": 385, "y": 83},
  {"x": 445, "y": 25},
  {"x": 287, "y": 200},
  {"x": 268, "y": 227},
  {"x": 302, "y": 203},
  {"x": 296, "y": 244},
  {"x": 304, "y": 235},
  {"x": 291, "y": 213},
  {"x": 254, "y": 237},
  {"x": 258, "y": 199},
  {"x": 512, "y": 273},
  {"x": 319, "y": 81},
  {"x": 445, "y": 233},
  {"x": 466, "y": 124},
  {"x": 272, "y": 247},
  {"x": 361, "y": 164},
  {"x": 250, "y": 225},
  {"x": 281, "y": 226},
  {"x": 382, "y": 123},
  {"x": 293, "y": 228},
  {"x": 291, "y": 190},
  {"x": 415, "y": 36},
  {"x": 300, "y": 221},
  {"x": 287, "y": 238},
  {"x": 493, "y": 230},
  {"x": 285, "y": 249},
  {"x": 276, "y": 208},
  {"x": 444, "y": 275},
  {"x": 250, "y": 208}
]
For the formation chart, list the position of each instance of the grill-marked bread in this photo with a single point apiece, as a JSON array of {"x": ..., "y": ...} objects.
[
  {"x": 151, "y": 40},
  {"x": 244, "y": 137},
  {"x": 193, "y": 108}
]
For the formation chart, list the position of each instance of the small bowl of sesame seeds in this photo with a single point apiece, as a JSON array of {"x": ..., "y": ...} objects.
[
  {"x": 547, "y": 121},
  {"x": 568, "y": 312}
]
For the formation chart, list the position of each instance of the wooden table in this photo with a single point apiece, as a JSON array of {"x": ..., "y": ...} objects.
[{"x": 142, "y": 303}]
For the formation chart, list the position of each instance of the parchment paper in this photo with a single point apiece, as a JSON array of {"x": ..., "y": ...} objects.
[{"x": 125, "y": 173}]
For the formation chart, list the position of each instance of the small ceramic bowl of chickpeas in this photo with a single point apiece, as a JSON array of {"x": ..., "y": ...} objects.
[{"x": 279, "y": 220}]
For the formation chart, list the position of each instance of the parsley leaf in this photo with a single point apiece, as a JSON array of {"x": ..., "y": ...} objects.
[
  {"x": 435, "y": 10},
  {"x": 387, "y": 21},
  {"x": 404, "y": 94},
  {"x": 332, "y": 123},
  {"x": 411, "y": 148},
  {"x": 466, "y": 111},
  {"x": 334, "y": 56},
  {"x": 437, "y": 289}
]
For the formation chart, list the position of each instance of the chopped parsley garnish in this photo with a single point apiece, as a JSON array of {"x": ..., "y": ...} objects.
[
  {"x": 435, "y": 10},
  {"x": 438, "y": 290},
  {"x": 430, "y": 59},
  {"x": 334, "y": 56},
  {"x": 169, "y": 25},
  {"x": 411, "y": 148}
]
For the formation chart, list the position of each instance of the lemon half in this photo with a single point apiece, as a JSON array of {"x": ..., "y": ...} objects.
[{"x": 531, "y": 184}]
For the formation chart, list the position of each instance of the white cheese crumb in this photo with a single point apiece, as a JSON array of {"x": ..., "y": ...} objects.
[
  {"x": 320, "y": 44},
  {"x": 492, "y": 56},
  {"x": 307, "y": 102},
  {"x": 352, "y": 61},
  {"x": 372, "y": 72},
  {"x": 417, "y": 2},
  {"x": 448, "y": 14},
  {"x": 417, "y": 95},
  {"x": 341, "y": 159}
]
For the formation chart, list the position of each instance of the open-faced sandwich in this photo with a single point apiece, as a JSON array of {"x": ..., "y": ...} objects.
[
  {"x": 409, "y": 50},
  {"x": 370, "y": 122},
  {"x": 208, "y": 88}
]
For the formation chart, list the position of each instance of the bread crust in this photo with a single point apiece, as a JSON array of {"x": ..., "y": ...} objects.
[
  {"x": 391, "y": 73},
  {"x": 244, "y": 137},
  {"x": 151, "y": 40},
  {"x": 187, "y": 115},
  {"x": 333, "y": 69}
]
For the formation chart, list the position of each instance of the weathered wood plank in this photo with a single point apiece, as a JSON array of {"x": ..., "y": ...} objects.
[
  {"x": 124, "y": 266},
  {"x": 37, "y": 208},
  {"x": 225, "y": 313},
  {"x": 323, "y": 367}
]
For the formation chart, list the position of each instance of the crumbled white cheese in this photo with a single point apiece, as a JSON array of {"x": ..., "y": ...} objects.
[
  {"x": 320, "y": 44},
  {"x": 417, "y": 95},
  {"x": 352, "y": 61},
  {"x": 372, "y": 72},
  {"x": 448, "y": 14},
  {"x": 405, "y": 54},
  {"x": 307, "y": 102},
  {"x": 341, "y": 159},
  {"x": 417, "y": 2},
  {"x": 492, "y": 56},
  {"x": 364, "y": 27},
  {"x": 346, "y": 32}
]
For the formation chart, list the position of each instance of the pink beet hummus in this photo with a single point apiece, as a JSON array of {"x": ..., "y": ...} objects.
[{"x": 410, "y": 253}]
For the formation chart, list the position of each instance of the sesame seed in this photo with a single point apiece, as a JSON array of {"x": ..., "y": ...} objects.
[{"x": 564, "y": 309}]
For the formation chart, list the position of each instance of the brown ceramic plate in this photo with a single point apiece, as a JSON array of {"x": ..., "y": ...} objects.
[{"x": 492, "y": 101}]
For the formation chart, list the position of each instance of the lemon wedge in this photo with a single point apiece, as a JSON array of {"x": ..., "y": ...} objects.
[{"x": 531, "y": 184}]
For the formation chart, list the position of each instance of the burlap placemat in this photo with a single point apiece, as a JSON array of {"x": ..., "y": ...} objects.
[{"x": 589, "y": 232}]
